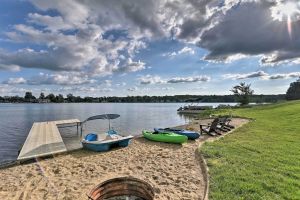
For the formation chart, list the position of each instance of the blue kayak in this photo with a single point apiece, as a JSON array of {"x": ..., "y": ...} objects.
[{"x": 192, "y": 135}]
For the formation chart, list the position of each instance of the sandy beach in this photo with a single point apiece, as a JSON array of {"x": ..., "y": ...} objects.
[{"x": 174, "y": 171}]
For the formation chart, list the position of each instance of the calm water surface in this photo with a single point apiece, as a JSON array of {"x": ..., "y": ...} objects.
[{"x": 17, "y": 119}]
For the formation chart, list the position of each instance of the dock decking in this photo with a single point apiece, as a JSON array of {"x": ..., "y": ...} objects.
[{"x": 44, "y": 139}]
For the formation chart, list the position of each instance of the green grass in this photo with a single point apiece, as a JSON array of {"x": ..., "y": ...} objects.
[{"x": 260, "y": 160}]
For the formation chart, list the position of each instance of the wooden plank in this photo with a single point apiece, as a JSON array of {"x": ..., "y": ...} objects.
[
  {"x": 44, "y": 139},
  {"x": 68, "y": 121}
]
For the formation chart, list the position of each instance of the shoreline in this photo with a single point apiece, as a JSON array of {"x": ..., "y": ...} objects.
[
  {"x": 174, "y": 171},
  {"x": 183, "y": 102}
]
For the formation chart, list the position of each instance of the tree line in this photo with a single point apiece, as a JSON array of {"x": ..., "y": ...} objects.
[
  {"x": 70, "y": 98},
  {"x": 293, "y": 93},
  {"x": 242, "y": 94}
]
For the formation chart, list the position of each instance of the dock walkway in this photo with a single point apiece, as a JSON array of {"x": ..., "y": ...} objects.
[{"x": 45, "y": 139}]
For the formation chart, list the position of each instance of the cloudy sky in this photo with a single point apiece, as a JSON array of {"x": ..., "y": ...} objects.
[{"x": 148, "y": 47}]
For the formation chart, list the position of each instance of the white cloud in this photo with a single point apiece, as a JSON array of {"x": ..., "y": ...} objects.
[
  {"x": 150, "y": 79},
  {"x": 121, "y": 84},
  {"x": 77, "y": 42},
  {"x": 14, "y": 81},
  {"x": 11, "y": 90},
  {"x": 54, "y": 24},
  {"x": 75, "y": 78},
  {"x": 60, "y": 79},
  {"x": 166, "y": 88},
  {"x": 285, "y": 76},
  {"x": 262, "y": 75},
  {"x": 245, "y": 76},
  {"x": 190, "y": 79},
  {"x": 250, "y": 28},
  {"x": 133, "y": 89},
  {"x": 108, "y": 83},
  {"x": 66, "y": 8},
  {"x": 131, "y": 66},
  {"x": 184, "y": 50},
  {"x": 226, "y": 59},
  {"x": 85, "y": 89},
  {"x": 9, "y": 67}
]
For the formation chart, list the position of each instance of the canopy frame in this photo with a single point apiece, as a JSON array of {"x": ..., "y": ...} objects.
[{"x": 103, "y": 116}]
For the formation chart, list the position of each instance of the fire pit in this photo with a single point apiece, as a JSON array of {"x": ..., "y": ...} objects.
[{"x": 122, "y": 188}]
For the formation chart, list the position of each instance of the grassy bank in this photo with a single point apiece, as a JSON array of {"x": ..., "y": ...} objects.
[{"x": 261, "y": 160}]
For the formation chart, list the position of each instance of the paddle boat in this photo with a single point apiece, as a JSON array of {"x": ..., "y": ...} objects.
[
  {"x": 95, "y": 142},
  {"x": 192, "y": 135},
  {"x": 168, "y": 137}
]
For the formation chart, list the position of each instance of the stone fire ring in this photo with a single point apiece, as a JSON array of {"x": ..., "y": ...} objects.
[{"x": 122, "y": 186}]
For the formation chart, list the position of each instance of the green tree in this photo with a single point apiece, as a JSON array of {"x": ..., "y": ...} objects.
[
  {"x": 60, "y": 98},
  {"x": 242, "y": 93},
  {"x": 88, "y": 99},
  {"x": 293, "y": 93},
  {"x": 78, "y": 99},
  {"x": 29, "y": 97},
  {"x": 70, "y": 98},
  {"x": 42, "y": 96},
  {"x": 51, "y": 97}
]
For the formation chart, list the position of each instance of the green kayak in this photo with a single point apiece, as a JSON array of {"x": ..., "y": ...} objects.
[{"x": 165, "y": 137}]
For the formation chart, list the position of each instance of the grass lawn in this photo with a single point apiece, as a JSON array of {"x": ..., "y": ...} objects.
[{"x": 260, "y": 160}]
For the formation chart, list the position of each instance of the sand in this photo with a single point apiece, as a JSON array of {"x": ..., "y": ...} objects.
[{"x": 174, "y": 171}]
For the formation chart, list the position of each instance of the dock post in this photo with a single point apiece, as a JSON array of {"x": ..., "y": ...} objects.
[
  {"x": 81, "y": 131},
  {"x": 77, "y": 129}
]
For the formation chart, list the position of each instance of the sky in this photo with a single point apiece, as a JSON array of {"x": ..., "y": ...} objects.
[{"x": 148, "y": 47}]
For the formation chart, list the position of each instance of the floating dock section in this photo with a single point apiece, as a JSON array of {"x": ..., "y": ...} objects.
[{"x": 45, "y": 139}]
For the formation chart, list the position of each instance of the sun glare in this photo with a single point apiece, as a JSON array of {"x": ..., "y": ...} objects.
[
  {"x": 287, "y": 11},
  {"x": 283, "y": 11}
]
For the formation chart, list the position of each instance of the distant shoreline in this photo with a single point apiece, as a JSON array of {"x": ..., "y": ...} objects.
[
  {"x": 113, "y": 102},
  {"x": 224, "y": 103},
  {"x": 51, "y": 98}
]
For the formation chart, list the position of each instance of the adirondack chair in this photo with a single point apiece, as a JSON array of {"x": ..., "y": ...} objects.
[
  {"x": 211, "y": 129},
  {"x": 225, "y": 122}
]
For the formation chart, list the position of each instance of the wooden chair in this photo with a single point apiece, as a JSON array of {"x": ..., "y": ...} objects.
[
  {"x": 211, "y": 129},
  {"x": 225, "y": 122}
]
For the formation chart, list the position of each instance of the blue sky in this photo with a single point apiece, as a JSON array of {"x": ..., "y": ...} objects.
[{"x": 162, "y": 47}]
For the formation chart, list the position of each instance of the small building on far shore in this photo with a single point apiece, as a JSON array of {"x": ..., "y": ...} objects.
[{"x": 44, "y": 101}]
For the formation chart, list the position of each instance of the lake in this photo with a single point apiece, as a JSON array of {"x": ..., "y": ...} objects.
[{"x": 17, "y": 119}]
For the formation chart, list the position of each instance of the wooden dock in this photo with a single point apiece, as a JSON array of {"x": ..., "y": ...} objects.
[{"x": 45, "y": 139}]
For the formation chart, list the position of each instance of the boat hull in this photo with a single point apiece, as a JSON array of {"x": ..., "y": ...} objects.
[
  {"x": 105, "y": 146},
  {"x": 190, "y": 134},
  {"x": 165, "y": 137}
]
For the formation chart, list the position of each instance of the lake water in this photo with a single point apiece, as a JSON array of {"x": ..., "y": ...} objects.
[{"x": 17, "y": 119}]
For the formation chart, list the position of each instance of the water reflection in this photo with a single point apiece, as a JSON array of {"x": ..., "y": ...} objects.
[{"x": 188, "y": 117}]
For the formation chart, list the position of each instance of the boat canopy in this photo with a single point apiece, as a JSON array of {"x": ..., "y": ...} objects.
[{"x": 104, "y": 116}]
